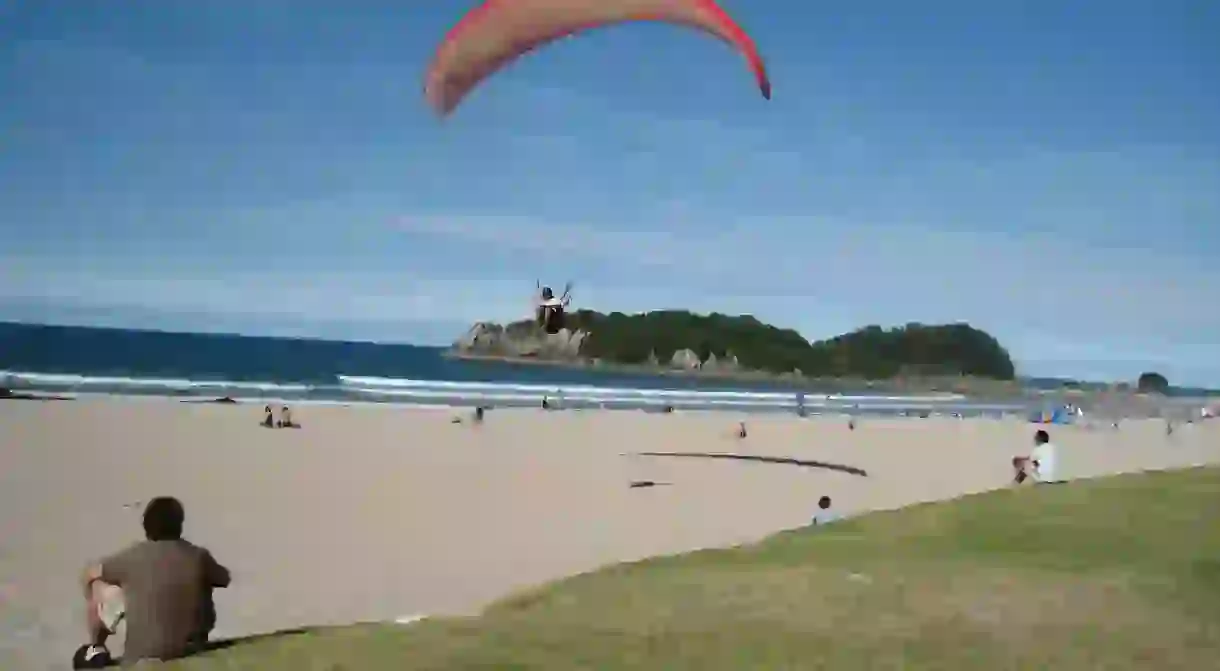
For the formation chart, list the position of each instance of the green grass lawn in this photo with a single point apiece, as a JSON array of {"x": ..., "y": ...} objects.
[{"x": 1117, "y": 573}]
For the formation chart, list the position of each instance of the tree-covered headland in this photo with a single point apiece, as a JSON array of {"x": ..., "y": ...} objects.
[{"x": 744, "y": 342}]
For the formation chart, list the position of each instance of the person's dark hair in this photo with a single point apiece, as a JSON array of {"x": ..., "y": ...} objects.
[
  {"x": 824, "y": 502},
  {"x": 1041, "y": 437},
  {"x": 547, "y": 293},
  {"x": 163, "y": 518}
]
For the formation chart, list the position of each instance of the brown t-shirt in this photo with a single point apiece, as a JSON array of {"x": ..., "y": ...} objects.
[{"x": 167, "y": 592}]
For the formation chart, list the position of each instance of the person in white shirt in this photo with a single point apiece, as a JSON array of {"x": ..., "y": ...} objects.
[
  {"x": 824, "y": 515},
  {"x": 1040, "y": 465}
]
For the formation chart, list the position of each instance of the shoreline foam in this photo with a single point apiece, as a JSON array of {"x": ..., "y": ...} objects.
[{"x": 455, "y": 393}]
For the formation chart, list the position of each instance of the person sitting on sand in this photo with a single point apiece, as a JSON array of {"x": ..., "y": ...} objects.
[
  {"x": 1040, "y": 464},
  {"x": 161, "y": 586},
  {"x": 268, "y": 417},
  {"x": 286, "y": 419},
  {"x": 476, "y": 417},
  {"x": 824, "y": 515}
]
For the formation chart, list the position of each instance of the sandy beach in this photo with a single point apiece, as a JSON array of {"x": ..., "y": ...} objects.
[{"x": 373, "y": 513}]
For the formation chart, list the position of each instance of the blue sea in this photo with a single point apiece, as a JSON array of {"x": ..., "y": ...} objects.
[{"x": 70, "y": 360}]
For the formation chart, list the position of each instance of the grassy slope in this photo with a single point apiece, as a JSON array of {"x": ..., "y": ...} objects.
[{"x": 1115, "y": 573}]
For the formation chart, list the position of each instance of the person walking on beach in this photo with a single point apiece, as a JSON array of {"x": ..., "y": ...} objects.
[
  {"x": 161, "y": 586},
  {"x": 1040, "y": 464}
]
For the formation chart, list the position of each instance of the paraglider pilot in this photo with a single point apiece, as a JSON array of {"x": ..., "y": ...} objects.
[{"x": 549, "y": 311}]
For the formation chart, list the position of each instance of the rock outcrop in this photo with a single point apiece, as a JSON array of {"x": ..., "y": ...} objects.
[
  {"x": 685, "y": 359},
  {"x": 524, "y": 340},
  {"x": 726, "y": 364},
  {"x": 521, "y": 340}
]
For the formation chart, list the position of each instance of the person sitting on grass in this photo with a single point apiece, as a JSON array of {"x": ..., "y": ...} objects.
[
  {"x": 161, "y": 586},
  {"x": 824, "y": 515},
  {"x": 1040, "y": 464}
]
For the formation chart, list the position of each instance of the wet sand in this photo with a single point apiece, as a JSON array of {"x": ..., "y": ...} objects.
[{"x": 374, "y": 513}]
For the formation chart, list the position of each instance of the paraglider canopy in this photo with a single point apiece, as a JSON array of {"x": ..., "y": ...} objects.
[{"x": 497, "y": 32}]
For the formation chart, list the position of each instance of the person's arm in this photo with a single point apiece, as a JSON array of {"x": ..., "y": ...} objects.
[
  {"x": 1037, "y": 458},
  {"x": 217, "y": 575},
  {"x": 91, "y": 575},
  {"x": 111, "y": 570}
]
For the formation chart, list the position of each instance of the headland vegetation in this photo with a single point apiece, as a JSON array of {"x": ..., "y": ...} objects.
[{"x": 955, "y": 358}]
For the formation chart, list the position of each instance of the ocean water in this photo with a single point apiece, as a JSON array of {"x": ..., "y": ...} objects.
[{"x": 74, "y": 360}]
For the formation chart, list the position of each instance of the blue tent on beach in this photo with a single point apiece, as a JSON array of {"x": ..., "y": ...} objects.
[{"x": 1060, "y": 415}]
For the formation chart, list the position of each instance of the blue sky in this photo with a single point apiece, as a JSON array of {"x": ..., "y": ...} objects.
[{"x": 1046, "y": 170}]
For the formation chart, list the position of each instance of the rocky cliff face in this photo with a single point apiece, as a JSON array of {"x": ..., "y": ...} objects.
[
  {"x": 521, "y": 340},
  {"x": 524, "y": 340},
  {"x": 687, "y": 359}
]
